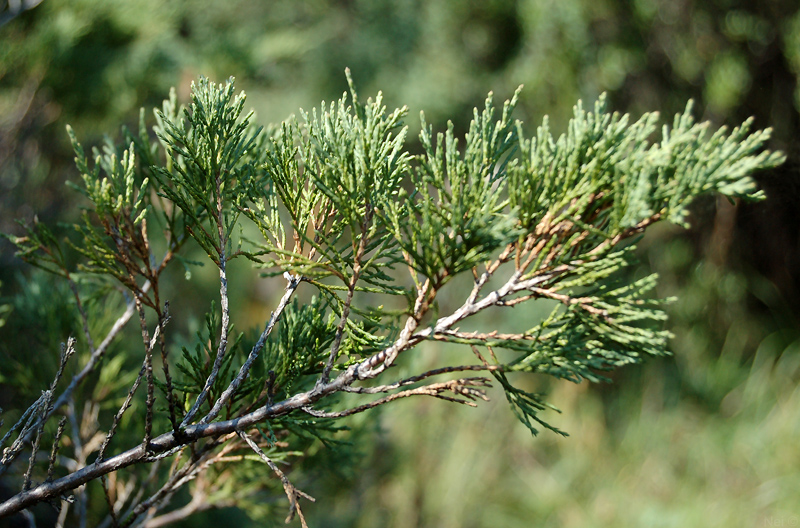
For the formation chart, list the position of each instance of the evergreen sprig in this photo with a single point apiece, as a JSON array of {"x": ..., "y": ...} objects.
[
  {"x": 457, "y": 215},
  {"x": 211, "y": 151},
  {"x": 346, "y": 211}
]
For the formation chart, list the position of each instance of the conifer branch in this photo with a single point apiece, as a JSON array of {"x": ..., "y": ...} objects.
[{"x": 528, "y": 219}]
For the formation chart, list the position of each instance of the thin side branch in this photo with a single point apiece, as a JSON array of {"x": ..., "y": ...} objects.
[
  {"x": 291, "y": 492},
  {"x": 224, "y": 307},
  {"x": 414, "y": 379},
  {"x": 461, "y": 387},
  {"x": 223, "y": 341},
  {"x": 129, "y": 398},
  {"x": 294, "y": 281}
]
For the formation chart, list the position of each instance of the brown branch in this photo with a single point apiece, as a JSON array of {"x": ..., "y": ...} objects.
[
  {"x": 626, "y": 233},
  {"x": 461, "y": 387},
  {"x": 481, "y": 336},
  {"x": 583, "y": 302},
  {"x": 414, "y": 379}
]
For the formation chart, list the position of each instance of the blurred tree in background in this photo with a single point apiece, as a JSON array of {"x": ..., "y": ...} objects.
[{"x": 711, "y": 442}]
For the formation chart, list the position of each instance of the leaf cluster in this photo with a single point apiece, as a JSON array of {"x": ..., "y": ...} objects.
[{"x": 457, "y": 214}]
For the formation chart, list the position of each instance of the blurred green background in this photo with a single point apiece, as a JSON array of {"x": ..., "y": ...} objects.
[{"x": 708, "y": 437}]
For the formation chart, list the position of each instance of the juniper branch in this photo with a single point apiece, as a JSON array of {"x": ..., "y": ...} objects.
[{"x": 545, "y": 218}]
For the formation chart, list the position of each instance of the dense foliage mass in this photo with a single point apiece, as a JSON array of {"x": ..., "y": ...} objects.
[
  {"x": 697, "y": 438},
  {"x": 364, "y": 236}
]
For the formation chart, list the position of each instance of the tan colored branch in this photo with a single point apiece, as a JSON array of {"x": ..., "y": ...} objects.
[{"x": 464, "y": 387}]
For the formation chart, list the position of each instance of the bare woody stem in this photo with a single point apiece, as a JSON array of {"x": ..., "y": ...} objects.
[
  {"x": 461, "y": 387},
  {"x": 223, "y": 343},
  {"x": 337, "y": 340},
  {"x": 148, "y": 369},
  {"x": 291, "y": 492},
  {"x": 351, "y": 288},
  {"x": 294, "y": 281},
  {"x": 163, "y": 317},
  {"x": 129, "y": 398},
  {"x": 414, "y": 379},
  {"x": 224, "y": 308}
]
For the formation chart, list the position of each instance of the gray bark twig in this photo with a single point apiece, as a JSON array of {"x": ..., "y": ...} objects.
[
  {"x": 291, "y": 492},
  {"x": 294, "y": 281}
]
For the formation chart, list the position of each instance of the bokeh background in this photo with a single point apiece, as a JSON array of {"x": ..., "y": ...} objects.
[{"x": 707, "y": 437}]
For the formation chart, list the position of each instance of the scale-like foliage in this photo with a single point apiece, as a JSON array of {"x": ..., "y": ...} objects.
[
  {"x": 457, "y": 215},
  {"x": 344, "y": 209},
  {"x": 211, "y": 151}
]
